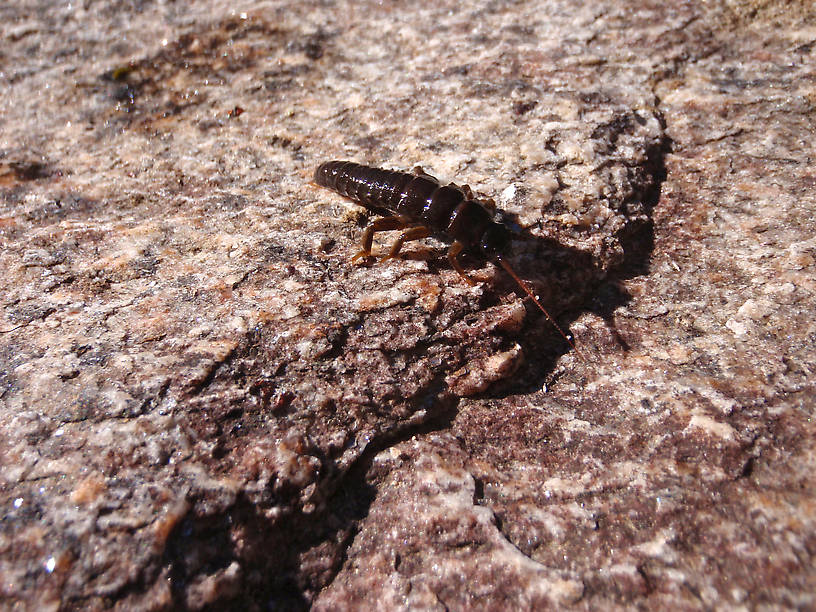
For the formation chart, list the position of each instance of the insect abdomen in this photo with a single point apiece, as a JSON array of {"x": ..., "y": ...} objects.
[
  {"x": 419, "y": 198},
  {"x": 373, "y": 187}
]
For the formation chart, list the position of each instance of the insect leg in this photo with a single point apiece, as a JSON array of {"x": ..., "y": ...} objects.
[
  {"x": 453, "y": 252},
  {"x": 413, "y": 233},
  {"x": 378, "y": 225}
]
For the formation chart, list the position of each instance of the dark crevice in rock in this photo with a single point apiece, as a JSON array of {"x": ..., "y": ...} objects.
[
  {"x": 637, "y": 238},
  {"x": 285, "y": 559},
  {"x": 358, "y": 487}
]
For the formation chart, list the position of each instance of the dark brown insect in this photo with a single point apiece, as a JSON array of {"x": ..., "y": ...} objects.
[{"x": 420, "y": 205}]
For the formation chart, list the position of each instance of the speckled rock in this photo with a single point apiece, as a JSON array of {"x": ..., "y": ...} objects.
[
  {"x": 436, "y": 546},
  {"x": 206, "y": 405}
]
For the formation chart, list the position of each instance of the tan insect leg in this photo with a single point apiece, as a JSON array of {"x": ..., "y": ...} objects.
[
  {"x": 378, "y": 225},
  {"x": 414, "y": 233},
  {"x": 456, "y": 248}
]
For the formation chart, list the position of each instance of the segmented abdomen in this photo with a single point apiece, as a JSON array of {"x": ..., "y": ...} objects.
[
  {"x": 372, "y": 187},
  {"x": 417, "y": 197}
]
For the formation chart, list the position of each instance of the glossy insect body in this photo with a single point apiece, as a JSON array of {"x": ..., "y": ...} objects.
[{"x": 420, "y": 205}]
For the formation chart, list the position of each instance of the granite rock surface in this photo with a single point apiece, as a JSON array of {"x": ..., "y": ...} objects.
[{"x": 204, "y": 404}]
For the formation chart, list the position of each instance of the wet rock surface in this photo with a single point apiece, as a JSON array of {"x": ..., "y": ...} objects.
[{"x": 205, "y": 404}]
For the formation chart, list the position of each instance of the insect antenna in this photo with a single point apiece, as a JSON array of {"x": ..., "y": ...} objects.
[{"x": 529, "y": 292}]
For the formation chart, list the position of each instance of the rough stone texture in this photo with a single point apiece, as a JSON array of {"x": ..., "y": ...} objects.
[{"x": 206, "y": 405}]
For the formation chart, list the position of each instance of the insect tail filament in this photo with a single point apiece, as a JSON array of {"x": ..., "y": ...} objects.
[{"x": 532, "y": 295}]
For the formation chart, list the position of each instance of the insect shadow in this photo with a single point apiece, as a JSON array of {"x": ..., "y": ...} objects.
[{"x": 569, "y": 283}]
